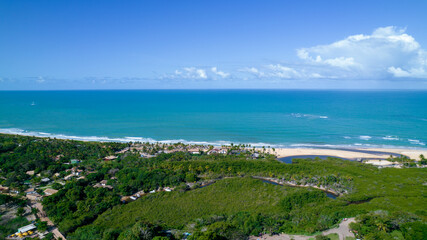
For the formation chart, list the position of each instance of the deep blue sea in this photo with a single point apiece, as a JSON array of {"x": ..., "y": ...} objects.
[{"x": 258, "y": 117}]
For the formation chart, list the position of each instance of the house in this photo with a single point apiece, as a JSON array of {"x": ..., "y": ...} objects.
[
  {"x": 35, "y": 196},
  {"x": 213, "y": 151},
  {"x": 123, "y": 150},
  {"x": 4, "y": 189},
  {"x": 218, "y": 151},
  {"x": 30, "y": 191},
  {"x": 140, "y": 193},
  {"x": 109, "y": 158},
  {"x": 194, "y": 151},
  {"x": 74, "y": 161},
  {"x": 133, "y": 198},
  {"x": 26, "y": 228},
  {"x": 45, "y": 180},
  {"x": 168, "y": 189},
  {"x": 69, "y": 176},
  {"x": 103, "y": 184},
  {"x": 153, "y": 191},
  {"x": 31, "y": 173},
  {"x": 255, "y": 155},
  {"x": 50, "y": 191},
  {"x": 124, "y": 199},
  {"x": 223, "y": 151}
]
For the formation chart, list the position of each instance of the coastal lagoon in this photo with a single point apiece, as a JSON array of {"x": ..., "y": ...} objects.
[{"x": 277, "y": 118}]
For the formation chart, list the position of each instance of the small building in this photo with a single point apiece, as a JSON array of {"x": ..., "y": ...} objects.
[
  {"x": 124, "y": 199},
  {"x": 30, "y": 191},
  {"x": 34, "y": 196},
  {"x": 110, "y": 158},
  {"x": 103, "y": 184},
  {"x": 4, "y": 189},
  {"x": 26, "y": 228},
  {"x": 223, "y": 151},
  {"x": 69, "y": 176},
  {"x": 74, "y": 161},
  {"x": 45, "y": 180},
  {"x": 50, "y": 191}
]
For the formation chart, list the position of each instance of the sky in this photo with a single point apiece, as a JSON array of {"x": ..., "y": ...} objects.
[{"x": 190, "y": 44}]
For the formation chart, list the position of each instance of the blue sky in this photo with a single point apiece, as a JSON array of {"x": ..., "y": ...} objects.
[{"x": 213, "y": 44}]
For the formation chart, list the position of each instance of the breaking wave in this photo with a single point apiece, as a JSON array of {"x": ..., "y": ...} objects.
[
  {"x": 309, "y": 116},
  {"x": 17, "y": 131}
]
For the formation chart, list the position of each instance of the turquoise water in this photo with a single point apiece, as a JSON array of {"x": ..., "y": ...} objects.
[{"x": 257, "y": 117}]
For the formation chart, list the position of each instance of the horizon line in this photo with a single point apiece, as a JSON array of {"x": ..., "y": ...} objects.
[{"x": 217, "y": 89}]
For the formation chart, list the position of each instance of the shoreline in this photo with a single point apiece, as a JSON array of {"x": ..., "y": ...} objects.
[{"x": 350, "y": 152}]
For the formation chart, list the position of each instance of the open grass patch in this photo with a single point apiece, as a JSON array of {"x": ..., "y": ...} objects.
[{"x": 175, "y": 209}]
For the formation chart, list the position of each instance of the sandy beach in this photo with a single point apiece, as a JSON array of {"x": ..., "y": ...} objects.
[{"x": 351, "y": 153}]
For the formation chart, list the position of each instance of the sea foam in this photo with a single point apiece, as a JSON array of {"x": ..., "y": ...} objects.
[{"x": 17, "y": 131}]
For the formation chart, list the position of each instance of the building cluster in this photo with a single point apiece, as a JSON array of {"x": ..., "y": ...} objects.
[{"x": 24, "y": 232}]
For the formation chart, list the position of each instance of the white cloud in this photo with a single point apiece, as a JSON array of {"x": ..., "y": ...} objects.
[
  {"x": 190, "y": 73},
  {"x": 40, "y": 80},
  {"x": 278, "y": 71},
  {"x": 387, "y": 51},
  {"x": 219, "y": 73},
  {"x": 198, "y": 73}
]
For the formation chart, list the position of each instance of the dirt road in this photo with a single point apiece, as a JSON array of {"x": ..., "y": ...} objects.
[
  {"x": 343, "y": 231},
  {"x": 42, "y": 215}
]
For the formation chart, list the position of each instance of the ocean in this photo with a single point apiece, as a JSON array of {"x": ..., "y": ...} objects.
[{"x": 276, "y": 118}]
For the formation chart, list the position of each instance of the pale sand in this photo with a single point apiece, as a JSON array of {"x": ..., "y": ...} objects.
[
  {"x": 412, "y": 153},
  {"x": 286, "y": 152}
]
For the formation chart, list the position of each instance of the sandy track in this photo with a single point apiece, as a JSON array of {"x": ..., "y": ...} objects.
[{"x": 343, "y": 231}]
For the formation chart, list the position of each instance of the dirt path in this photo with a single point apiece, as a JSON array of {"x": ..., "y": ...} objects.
[
  {"x": 343, "y": 231},
  {"x": 42, "y": 215}
]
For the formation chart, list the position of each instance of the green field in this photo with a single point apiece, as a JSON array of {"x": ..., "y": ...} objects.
[{"x": 175, "y": 209}]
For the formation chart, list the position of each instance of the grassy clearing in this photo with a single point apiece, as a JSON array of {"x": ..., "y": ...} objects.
[{"x": 176, "y": 209}]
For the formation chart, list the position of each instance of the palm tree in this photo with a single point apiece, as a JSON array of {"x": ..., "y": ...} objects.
[{"x": 382, "y": 226}]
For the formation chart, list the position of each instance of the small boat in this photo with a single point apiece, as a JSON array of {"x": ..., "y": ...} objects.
[{"x": 33, "y": 103}]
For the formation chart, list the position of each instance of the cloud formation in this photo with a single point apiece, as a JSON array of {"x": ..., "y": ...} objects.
[
  {"x": 219, "y": 73},
  {"x": 40, "y": 80},
  {"x": 199, "y": 73},
  {"x": 191, "y": 73},
  {"x": 387, "y": 52}
]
